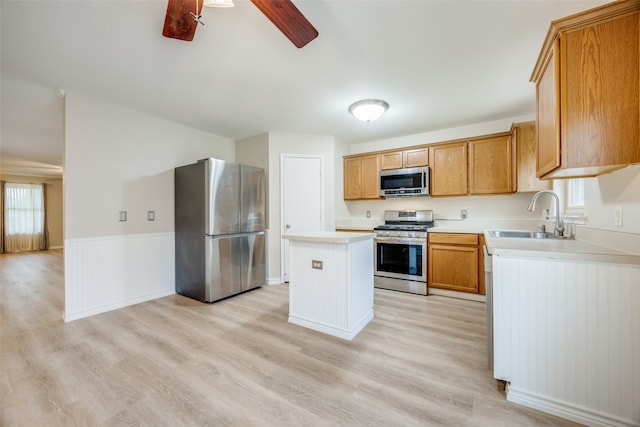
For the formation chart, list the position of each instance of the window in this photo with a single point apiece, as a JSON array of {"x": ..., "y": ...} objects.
[
  {"x": 574, "y": 200},
  {"x": 24, "y": 217}
]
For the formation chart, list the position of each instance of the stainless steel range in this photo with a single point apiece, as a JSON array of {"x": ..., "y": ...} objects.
[{"x": 401, "y": 251}]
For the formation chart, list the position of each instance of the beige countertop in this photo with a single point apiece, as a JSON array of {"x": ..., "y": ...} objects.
[
  {"x": 330, "y": 237},
  {"x": 570, "y": 249},
  {"x": 587, "y": 249}
]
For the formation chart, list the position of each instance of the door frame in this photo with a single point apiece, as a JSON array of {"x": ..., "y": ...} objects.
[{"x": 284, "y": 156}]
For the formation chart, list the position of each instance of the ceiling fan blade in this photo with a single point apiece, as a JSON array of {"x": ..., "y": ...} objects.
[
  {"x": 286, "y": 16},
  {"x": 178, "y": 23}
]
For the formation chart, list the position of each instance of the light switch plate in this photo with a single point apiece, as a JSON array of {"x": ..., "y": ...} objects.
[
  {"x": 122, "y": 216},
  {"x": 618, "y": 216},
  {"x": 151, "y": 215}
]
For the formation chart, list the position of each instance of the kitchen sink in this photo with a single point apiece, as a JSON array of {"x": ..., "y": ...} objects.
[{"x": 522, "y": 234}]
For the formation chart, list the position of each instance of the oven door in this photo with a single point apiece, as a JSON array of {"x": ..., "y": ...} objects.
[{"x": 401, "y": 258}]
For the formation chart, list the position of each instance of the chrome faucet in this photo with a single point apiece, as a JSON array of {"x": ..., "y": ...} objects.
[{"x": 559, "y": 229}]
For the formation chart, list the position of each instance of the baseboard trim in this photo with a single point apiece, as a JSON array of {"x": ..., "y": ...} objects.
[
  {"x": 68, "y": 317},
  {"x": 459, "y": 295},
  {"x": 347, "y": 334},
  {"x": 564, "y": 410}
]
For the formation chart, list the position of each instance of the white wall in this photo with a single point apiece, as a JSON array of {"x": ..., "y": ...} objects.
[
  {"x": 120, "y": 159},
  {"x": 484, "y": 128},
  {"x": 507, "y": 207},
  {"x": 341, "y": 149},
  {"x": 604, "y": 193}
]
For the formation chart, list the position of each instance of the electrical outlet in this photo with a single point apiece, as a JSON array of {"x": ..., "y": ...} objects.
[
  {"x": 463, "y": 214},
  {"x": 618, "y": 216},
  {"x": 151, "y": 215},
  {"x": 316, "y": 264},
  {"x": 368, "y": 214},
  {"x": 122, "y": 216}
]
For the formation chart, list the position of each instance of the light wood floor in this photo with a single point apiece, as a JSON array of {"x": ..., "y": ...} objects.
[{"x": 175, "y": 362}]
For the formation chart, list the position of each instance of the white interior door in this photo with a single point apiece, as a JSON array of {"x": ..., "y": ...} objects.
[{"x": 302, "y": 192}]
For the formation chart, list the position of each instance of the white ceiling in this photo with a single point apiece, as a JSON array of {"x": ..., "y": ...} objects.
[{"x": 438, "y": 64}]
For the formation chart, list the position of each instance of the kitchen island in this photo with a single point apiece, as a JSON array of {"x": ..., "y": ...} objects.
[{"x": 331, "y": 281}]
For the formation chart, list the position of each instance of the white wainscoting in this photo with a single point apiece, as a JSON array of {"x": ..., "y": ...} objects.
[
  {"x": 337, "y": 299},
  {"x": 106, "y": 273},
  {"x": 567, "y": 337}
]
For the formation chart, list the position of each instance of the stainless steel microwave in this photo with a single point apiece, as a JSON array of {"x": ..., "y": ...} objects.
[{"x": 404, "y": 182}]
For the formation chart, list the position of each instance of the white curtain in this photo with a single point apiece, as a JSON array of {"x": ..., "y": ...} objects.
[{"x": 24, "y": 217}]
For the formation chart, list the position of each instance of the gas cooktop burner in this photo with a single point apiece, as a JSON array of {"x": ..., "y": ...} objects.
[
  {"x": 419, "y": 227},
  {"x": 407, "y": 220}
]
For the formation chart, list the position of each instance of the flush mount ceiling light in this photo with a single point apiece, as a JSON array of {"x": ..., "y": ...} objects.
[
  {"x": 218, "y": 3},
  {"x": 368, "y": 110}
]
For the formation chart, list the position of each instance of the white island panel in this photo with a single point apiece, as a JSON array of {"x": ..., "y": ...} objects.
[
  {"x": 567, "y": 337},
  {"x": 336, "y": 299}
]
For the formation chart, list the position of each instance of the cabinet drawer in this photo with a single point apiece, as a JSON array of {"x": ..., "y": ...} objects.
[{"x": 454, "y": 238}]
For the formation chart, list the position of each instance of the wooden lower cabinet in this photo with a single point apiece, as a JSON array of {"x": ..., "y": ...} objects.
[{"x": 456, "y": 262}]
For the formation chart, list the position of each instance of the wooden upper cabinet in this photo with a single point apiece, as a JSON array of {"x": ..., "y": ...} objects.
[
  {"x": 548, "y": 120},
  {"x": 352, "y": 178},
  {"x": 370, "y": 170},
  {"x": 588, "y": 92},
  {"x": 448, "y": 164},
  {"x": 413, "y": 158},
  {"x": 490, "y": 165},
  {"x": 361, "y": 177},
  {"x": 392, "y": 160},
  {"x": 524, "y": 138},
  {"x": 416, "y": 158}
]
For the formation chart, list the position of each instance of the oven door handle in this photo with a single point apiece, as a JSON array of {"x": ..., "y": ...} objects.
[{"x": 401, "y": 240}]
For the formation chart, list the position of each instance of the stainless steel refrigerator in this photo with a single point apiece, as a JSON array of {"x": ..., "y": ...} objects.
[{"x": 220, "y": 229}]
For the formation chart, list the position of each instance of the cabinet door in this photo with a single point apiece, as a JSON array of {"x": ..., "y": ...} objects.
[
  {"x": 416, "y": 158},
  {"x": 490, "y": 166},
  {"x": 454, "y": 268},
  {"x": 524, "y": 136},
  {"x": 548, "y": 122},
  {"x": 448, "y": 169},
  {"x": 352, "y": 178},
  {"x": 599, "y": 83},
  {"x": 392, "y": 160},
  {"x": 370, "y": 171}
]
